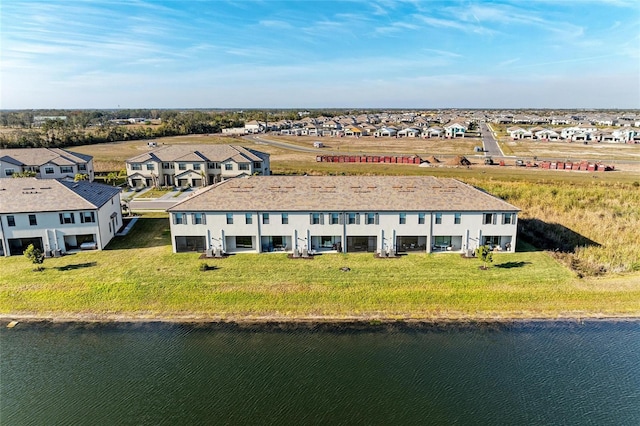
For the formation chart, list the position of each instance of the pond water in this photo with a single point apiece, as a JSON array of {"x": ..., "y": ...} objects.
[{"x": 524, "y": 373}]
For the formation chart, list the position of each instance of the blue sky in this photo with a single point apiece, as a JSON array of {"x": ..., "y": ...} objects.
[{"x": 315, "y": 54}]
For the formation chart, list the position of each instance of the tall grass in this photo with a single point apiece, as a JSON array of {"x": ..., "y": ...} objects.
[{"x": 594, "y": 225}]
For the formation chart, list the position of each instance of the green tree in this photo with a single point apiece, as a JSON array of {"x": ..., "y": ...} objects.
[
  {"x": 80, "y": 176},
  {"x": 484, "y": 253},
  {"x": 35, "y": 255},
  {"x": 112, "y": 178}
]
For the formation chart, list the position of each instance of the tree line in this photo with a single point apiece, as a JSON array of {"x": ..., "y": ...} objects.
[{"x": 82, "y": 127}]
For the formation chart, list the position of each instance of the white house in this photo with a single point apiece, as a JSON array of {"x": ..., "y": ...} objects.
[
  {"x": 342, "y": 214},
  {"x": 46, "y": 163},
  {"x": 57, "y": 216},
  {"x": 194, "y": 165},
  {"x": 519, "y": 133},
  {"x": 254, "y": 126},
  {"x": 454, "y": 130}
]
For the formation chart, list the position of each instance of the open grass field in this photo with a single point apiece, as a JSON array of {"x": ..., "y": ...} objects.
[{"x": 138, "y": 277}]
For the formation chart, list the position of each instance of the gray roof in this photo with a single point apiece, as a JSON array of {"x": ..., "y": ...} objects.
[
  {"x": 31, "y": 195},
  {"x": 171, "y": 153},
  {"x": 40, "y": 156},
  {"x": 342, "y": 193}
]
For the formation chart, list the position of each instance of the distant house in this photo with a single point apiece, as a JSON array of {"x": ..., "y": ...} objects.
[
  {"x": 57, "y": 216},
  {"x": 254, "y": 126},
  {"x": 353, "y": 131},
  {"x": 46, "y": 163},
  {"x": 547, "y": 134},
  {"x": 434, "y": 132},
  {"x": 409, "y": 132},
  {"x": 194, "y": 165},
  {"x": 519, "y": 133},
  {"x": 454, "y": 130},
  {"x": 386, "y": 132}
]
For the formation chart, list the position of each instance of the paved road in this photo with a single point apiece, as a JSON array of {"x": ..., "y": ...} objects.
[{"x": 489, "y": 142}]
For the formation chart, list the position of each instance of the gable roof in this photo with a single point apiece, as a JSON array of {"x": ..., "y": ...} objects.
[
  {"x": 40, "y": 156},
  {"x": 198, "y": 153},
  {"x": 31, "y": 195},
  {"x": 342, "y": 193}
]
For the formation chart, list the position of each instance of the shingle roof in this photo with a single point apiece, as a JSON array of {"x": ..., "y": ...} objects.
[
  {"x": 343, "y": 193},
  {"x": 170, "y": 153},
  {"x": 40, "y": 156},
  {"x": 26, "y": 195}
]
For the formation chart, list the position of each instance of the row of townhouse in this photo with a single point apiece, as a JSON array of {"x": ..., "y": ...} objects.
[
  {"x": 453, "y": 130},
  {"x": 194, "y": 165},
  {"x": 56, "y": 215},
  {"x": 580, "y": 133},
  {"x": 46, "y": 163},
  {"x": 379, "y": 214}
]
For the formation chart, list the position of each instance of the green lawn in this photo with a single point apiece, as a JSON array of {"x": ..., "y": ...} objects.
[{"x": 139, "y": 277}]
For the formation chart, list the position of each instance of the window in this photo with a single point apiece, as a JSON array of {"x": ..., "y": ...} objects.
[
  {"x": 214, "y": 165},
  {"x": 285, "y": 218},
  {"x": 82, "y": 167},
  {"x": 243, "y": 166},
  {"x": 11, "y": 220},
  {"x": 457, "y": 218},
  {"x": 87, "y": 217},
  {"x": 353, "y": 218},
  {"x": 441, "y": 242},
  {"x": 372, "y": 218},
  {"x": 66, "y": 169},
  {"x": 182, "y": 166},
  {"x": 488, "y": 218},
  {"x": 166, "y": 165},
  {"x": 244, "y": 241},
  {"x": 229, "y": 218},
  {"x": 420, "y": 218},
  {"x": 438, "y": 218},
  {"x": 179, "y": 219},
  {"x": 507, "y": 218},
  {"x": 66, "y": 218},
  {"x": 257, "y": 165},
  {"x": 49, "y": 170},
  {"x": 403, "y": 218},
  {"x": 150, "y": 166},
  {"x": 9, "y": 172},
  {"x": 228, "y": 166},
  {"x": 248, "y": 219},
  {"x": 196, "y": 166},
  {"x": 134, "y": 166},
  {"x": 492, "y": 241},
  {"x": 199, "y": 219},
  {"x": 335, "y": 218},
  {"x": 32, "y": 220},
  {"x": 265, "y": 218},
  {"x": 317, "y": 218}
]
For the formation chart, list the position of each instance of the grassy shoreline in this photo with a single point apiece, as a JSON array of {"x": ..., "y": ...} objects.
[{"x": 139, "y": 278}]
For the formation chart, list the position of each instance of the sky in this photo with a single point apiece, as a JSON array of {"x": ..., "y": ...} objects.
[{"x": 67, "y": 54}]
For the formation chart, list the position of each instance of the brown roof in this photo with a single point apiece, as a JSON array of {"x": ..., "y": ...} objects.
[
  {"x": 170, "y": 153},
  {"x": 40, "y": 156},
  {"x": 343, "y": 193},
  {"x": 31, "y": 195}
]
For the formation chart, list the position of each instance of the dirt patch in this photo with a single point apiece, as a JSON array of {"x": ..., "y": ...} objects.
[{"x": 459, "y": 161}]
